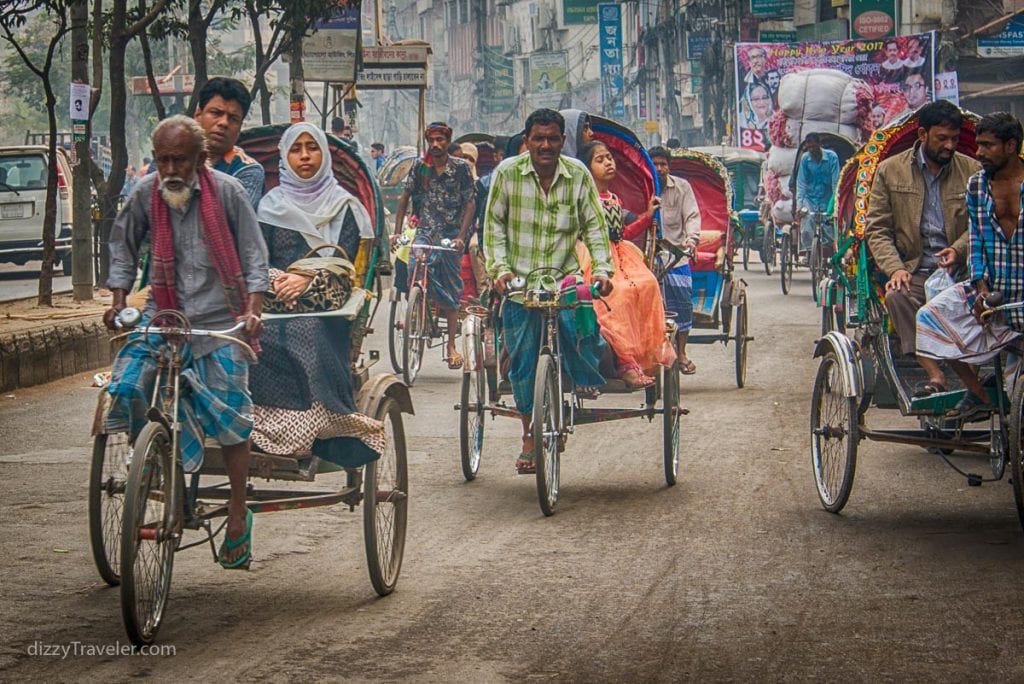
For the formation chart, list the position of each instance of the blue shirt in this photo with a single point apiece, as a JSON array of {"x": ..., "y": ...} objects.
[
  {"x": 993, "y": 257},
  {"x": 933, "y": 223},
  {"x": 817, "y": 180}
]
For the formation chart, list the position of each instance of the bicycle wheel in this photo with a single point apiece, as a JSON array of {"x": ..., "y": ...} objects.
[
  {"x": 147, "y": 544},
  {"x": 787, "y": 256},
  {"x": 1017, "y": 448},
  {"x": 671, "y": 422},
  {"x": 768, "y": 249},
  {"x": 414, "y": 340},
  {"x": 547, "y": 432},
  {"x": 386, "y": 503},
  {"x": 816, "y": 268},
  {"x": 740, "y": 340},
  {"x": 471, "y": 420},
  {"x": 746, "y": 255},
  {"x": 111, "y": 458},
  {"x": 396, "y": 333},
  {"x": 834, "y": 435}
]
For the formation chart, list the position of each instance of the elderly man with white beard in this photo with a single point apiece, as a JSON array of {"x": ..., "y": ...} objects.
[{"x": 208, "y": 260}]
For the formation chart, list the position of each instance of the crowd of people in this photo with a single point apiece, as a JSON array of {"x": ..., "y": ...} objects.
[{"x": 221, "y": 244}]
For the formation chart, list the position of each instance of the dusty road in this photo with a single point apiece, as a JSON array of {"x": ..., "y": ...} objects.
[{"x": 736, "y": 573}]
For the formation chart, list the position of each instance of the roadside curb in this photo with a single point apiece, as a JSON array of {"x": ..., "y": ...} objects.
[{"x": 35, "y": 357}]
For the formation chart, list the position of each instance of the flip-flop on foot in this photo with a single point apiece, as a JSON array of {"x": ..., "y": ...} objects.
[{"x": 229, "y": 545}]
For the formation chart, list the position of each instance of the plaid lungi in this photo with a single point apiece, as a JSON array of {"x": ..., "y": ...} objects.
[
  {"x": 214, "y": 399},
  {"x": 521, "y": 334},
  {"x": 947, "y": 329},
  {"x": 445, "y": 287},
  {"x": 678, "y": 294}
]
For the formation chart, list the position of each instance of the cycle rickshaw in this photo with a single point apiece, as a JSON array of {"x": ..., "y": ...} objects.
[
  {"x": 862, "y": 366},
  {"x": 815, "y": 255},
  {"x": 744, "y": 167},
  {"x": 140, "y": 500},
  {"x": 558, "y": 409},
  {"x": 717, "y": 294}
]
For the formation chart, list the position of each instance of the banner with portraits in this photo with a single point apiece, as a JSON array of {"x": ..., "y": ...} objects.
[{"x": 900, "y": 73}]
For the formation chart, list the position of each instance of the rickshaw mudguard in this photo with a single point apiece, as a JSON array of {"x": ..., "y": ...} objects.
[
  {"x": 846, "y": 351},
  {"x": 377, "y": 388}
]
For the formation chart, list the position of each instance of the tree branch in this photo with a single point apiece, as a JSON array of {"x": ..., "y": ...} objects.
[{"x": 141, "y": 24}]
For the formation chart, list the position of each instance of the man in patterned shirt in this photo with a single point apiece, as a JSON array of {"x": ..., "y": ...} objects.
[
  {"x": 221, "y": 108},
  {"x": 539, "y": 205},
  {"x": 995, "y": 210}
]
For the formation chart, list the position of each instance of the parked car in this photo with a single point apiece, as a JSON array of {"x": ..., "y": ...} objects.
[{"x": 23, "y": 173}]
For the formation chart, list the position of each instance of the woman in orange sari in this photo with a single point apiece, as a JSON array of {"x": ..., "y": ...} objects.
[{"x": 634, "y": 326}]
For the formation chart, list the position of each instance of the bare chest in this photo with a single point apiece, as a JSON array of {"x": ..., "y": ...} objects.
[{"x": 1006, "y": 195}]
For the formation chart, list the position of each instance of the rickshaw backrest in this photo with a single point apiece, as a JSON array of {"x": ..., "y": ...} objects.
[
  {"x": 710, "y": 182},
  {"x": 636, "y": 180},
  {"x": 349, "y": 169}
]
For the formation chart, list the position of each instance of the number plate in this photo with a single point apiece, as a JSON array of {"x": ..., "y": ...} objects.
[{"x": 14, "y": 211}]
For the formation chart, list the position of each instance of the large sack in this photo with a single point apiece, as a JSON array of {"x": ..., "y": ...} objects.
[
  {"x": 821, "y": 95},
  {"x": 782, "y": 211},
  {"x": 797, "y": 130},
  {"x": 781, "y": 160}
]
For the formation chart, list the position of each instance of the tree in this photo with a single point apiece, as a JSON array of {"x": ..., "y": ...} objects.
[{"x": 13, "y": 17}]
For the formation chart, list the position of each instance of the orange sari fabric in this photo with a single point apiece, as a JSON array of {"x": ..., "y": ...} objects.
[{"x": 634, "y": 327}]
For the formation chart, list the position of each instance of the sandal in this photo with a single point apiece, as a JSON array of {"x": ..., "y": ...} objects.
[
  {"x": 929, "y": 388},
  {"x": 635, "y": 378},
  {"x": 243, "y": 561},
  {"x": 687, "y": 367},
  {"x": 970, "y": 405},
  {"x": 454, "y": 361},
  {"x": 525, "y": 464}
]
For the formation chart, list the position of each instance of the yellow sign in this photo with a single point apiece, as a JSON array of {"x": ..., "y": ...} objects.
[{"x": 652, "y": 126}]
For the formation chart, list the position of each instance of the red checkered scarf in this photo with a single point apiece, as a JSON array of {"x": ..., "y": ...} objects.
[{"x": 214, "y": 228}]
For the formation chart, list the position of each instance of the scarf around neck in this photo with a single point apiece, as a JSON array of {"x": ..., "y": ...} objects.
[
  {"x": 309, "y": 206},
  {"x": 213, "y": 227}
]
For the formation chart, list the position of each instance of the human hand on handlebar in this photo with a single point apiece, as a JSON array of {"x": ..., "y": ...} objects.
[
  {"x": 503, "y": 281},
  {"x": 110, "y": 315},
  {"x": 604, "y": 285}
]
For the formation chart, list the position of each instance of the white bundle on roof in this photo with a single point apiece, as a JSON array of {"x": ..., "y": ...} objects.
[
  {"x": 781, "y": 160},
  {"x": 798, "y": 130},
  {"x": 820, "y": 95}
]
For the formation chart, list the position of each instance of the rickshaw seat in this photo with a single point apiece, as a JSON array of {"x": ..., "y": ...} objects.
[{"x": 710, "y": 251}]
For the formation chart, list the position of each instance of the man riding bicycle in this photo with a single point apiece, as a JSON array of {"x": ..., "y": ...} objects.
[
  {"x": 540, "y": 203},
  {"x": 816, "y": 183}
]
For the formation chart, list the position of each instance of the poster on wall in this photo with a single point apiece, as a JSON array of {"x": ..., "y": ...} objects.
[
  {"x": 547, "y": 79},
  {"x": 874, "y": 82},
  {"x": 331, "y": 52}
]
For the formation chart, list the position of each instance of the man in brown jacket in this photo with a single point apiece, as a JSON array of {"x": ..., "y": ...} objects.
[{"x": 917, "y": 221}]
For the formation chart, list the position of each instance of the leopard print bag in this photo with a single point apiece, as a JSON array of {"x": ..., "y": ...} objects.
[{"x": 329, "y": 288}]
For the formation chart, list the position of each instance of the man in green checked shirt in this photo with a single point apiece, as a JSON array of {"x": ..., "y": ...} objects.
[{"x": 539, "y": 205}]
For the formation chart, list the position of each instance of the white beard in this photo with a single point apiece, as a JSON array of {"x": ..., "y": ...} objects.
[{"x": 176, "y": 199}]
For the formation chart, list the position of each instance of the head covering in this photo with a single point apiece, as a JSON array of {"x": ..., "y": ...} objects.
[
  {"x": 438, "y": 126},
  {"x": 513, "y": 145},
  {"x": 574, "y": 119},
  {"x": 310, "y": 205},
  {"x": 470, "y": 154}
]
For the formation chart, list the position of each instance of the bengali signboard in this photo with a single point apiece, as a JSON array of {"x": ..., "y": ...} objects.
[
  {"x": 391, "y": 77},
  {"x": 576, "y": 12},
  {"x": 871, "y": 19},
  {"x": 331, "y": 52},
  {"x": 396, "y": 55},
  {"x": 1007, "y": 43},
  {"x": 610, "y": 46},
  {"x": 898, "y": 72},
  {"x": 548, "y": 82},
  {"x": 776, "y": 36},
  {"x": 499, "y": 86},
  {"x": 771, "y": 8}
]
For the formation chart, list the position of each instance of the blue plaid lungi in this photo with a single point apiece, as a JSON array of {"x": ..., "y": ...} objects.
[
  {"x": 214, "y": 399},
  {"x": 521, "y": 334},
  {"x": 445, "y": 287},
  {"x": 678, "y": 294}
]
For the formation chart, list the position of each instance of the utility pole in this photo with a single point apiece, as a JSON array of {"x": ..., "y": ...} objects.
[{"x": 81, "y": 184}]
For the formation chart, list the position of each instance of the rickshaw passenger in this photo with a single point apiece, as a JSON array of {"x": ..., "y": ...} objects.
[
  {"x": 209, "y": 261},
  {"x": 222, "y": 106},
  {"x": 917, "y": 221},
  {"x": 441, "y": 190},
  {"x": 680, "y": 225},
  {"x": 948, "y": 326},
  {"x": 539, "y": 205},
  {"x": 302, "y": 387},
  {"x": 578, "y": 131},
  {"x": 816, "y": 183},
  {"x": 634, "y": 326}
]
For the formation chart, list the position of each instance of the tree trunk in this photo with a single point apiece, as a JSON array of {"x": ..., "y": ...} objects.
[
  {"x": 81, "y": 229},
  {"x": 50, "y": 211},
  {"x": 198, "y": 31},
  {"x": 154, "y": 88}
]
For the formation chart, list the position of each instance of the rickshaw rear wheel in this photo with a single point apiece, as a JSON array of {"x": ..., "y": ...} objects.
[
  {"x": 547, "y": 430},
  {"x": 413, "y": 340},
  {"x": 671, "y": 422},
  {"x": 1016, "y": 437},
  {"x": 147, "y": 542},
  {"x": 786, "y": 258},
  {"x": 740, "y": 340},
  {"x": 471, "y": 419},
  {"x": 396, "y": 335},
  {"x": 386, "y": 503},
  {"x": 816, "y": 268},
  {"x": 768, "y": 249},
  {"x": 108, "y": 475},
  {"x": 834, "y": 435}
]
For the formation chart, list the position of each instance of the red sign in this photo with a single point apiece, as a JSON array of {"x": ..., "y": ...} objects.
[{"x": 873, "y": 24}]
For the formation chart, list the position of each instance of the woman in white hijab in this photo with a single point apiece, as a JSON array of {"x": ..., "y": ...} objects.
[{"x": 302, "y": 387}]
